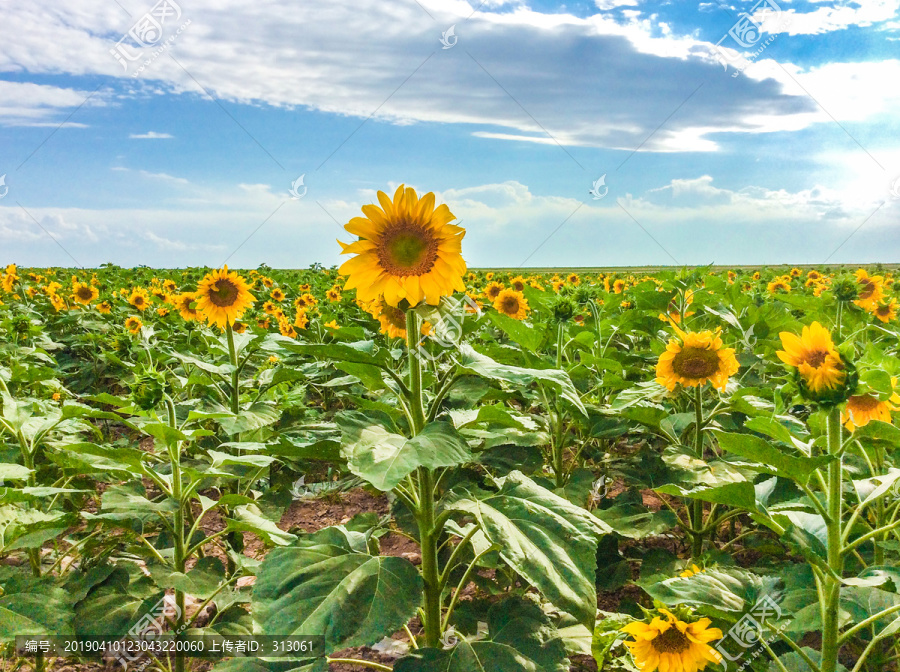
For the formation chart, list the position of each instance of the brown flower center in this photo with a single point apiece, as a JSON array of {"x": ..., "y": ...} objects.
[
  {"x": 696, "y": 363},
  {"x": 85, "y": 293},
  {"x": 394, "y": 316},
  {"x": 518, "y": 286},
  {"x": 407, "y": 248},
  {"x": 868, "y": 289},
  {"x": 883, "y": 310},
  {"x": 510, "y": 305},
  {"x": 816, "y": 358},
  {"x": 223, "y": 293},
  {"x": 865, "y": 402},
  {"x": 671, "y": 641},
  {"x": 138, "y": 300}
]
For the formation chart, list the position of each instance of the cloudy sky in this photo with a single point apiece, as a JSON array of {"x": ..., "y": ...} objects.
[{"x": 591, "y": 133}]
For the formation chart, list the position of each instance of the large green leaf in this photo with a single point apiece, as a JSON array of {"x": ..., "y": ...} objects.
[
  {"x": 323, "y": 586},
  {"x": 769, "y": 459},
  {"x": 529, "y": 337},
  {"x": 543, "y": 537},
  {"x": 249, "y": 518},
  {"x": 29, "y": 528},
  {"x": 31, "y": 606},
  {"x": 520, "y": 639},
  {"x": 361, "y": 352},
  {"x": 384, "y": 458},
  {"x": 482, "y": 365}
]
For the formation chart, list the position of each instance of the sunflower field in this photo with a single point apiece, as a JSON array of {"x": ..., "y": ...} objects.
[{"x": 403, "y": 464}]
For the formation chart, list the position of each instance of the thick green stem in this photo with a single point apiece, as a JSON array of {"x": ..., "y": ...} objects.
[
  {"x": 232, "y": 356},
  {"x": 697, "y": 515},
  {"x": 179, "y": 541},
  {"x": 429, "y": 534},
  {"x": 831, "y": 582}
]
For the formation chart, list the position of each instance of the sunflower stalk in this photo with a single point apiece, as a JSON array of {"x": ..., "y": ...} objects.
[
  {"x": 831, "y": 588},
  {"x": 697, "y": 532}
]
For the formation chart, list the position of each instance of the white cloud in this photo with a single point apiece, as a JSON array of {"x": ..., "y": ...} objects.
[
  {"x": 828, "y": 19},
  {"x": 150, "y": 135},
  {"x": 29, "y": 104}
]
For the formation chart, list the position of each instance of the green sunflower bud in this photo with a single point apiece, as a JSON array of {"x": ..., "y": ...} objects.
[{"x": 148, "y": 389}]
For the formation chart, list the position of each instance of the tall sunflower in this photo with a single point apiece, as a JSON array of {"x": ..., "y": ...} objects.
[
  {"x": 83, "y": 293},
  {"x": 814, "y": 356},
  {"x": 406, "y": 249},
  {"x": 512, "y": 303},
  {"x": 223, "y": 296},
  {"x": 672, "y": 645},
  {"x": 694, "y": 358},
  {"x": 133, "y": 324}
]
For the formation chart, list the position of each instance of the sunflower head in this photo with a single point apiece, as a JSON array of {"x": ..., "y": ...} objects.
[
  {"x": 669, "y": 643},
  {"x": 512, "y": 304},
  {"x": 406, "y": 250},
  {"x": 693, "y": 358},
  {"x": 222, "y": 297},
  {"x": 492, "y": 290},
  {"x": 563, "y": 309},
  {"x": 84, "y": 293},
  {"x": 391, "y": 318},
  {"x": 133, "y": 324},
  {"x": 823, "y": 373}
]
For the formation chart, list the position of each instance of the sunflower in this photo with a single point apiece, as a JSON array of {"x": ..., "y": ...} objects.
[
  {"x": 492, "y": 290},
  {"x": 169, "y": 286},
  {"x": 489, "y": 276},
  {"x": 391, "y": 318},
  {"x": 676, "y": 306},
  {"x": 886, "y": 311},
  {"x": 672, "y": 645},
  {"x": 813, "y": 275},
  {"x": 870, "y": 290},
  {"x": 57, "y": 302},
  {"x": 694, "y": 358},
  {"x": 862, "y": 408},
  {"x": 264, "y": 324},
  {"x": 407, "y": 249},
  {"x": 305, "y": 287},
  {"x": 301, "y": 321},
  {"x": 690, "y": 571},
  {"x": 223, "y": 296},
  {"x": 239, "y": 327},
  {"x": 133, "y": 324},
  {"x": 618, "y": 286},
  {"x": 795, "y": 272},
  {"x": 333, "y": 294},
  {"x": 162, "y": 312},
  {"x": 267, "y": 282},
  {"x": 269, "y": 308},
  {"x": 779, "y": 285},
  {"x": 332, "y": 325},
  {"x": 573, "y": 279},
  {"x": 139, "y": 298},
  {"x": 305, "y": 301},
  {"x": 814, "y": 356},
  {"x": 83, "y": 293},
  {"x": 512, "y": 303},
  {"x": 277, "y": 295},
  {"x": 104, "y": 308},
  {"x": 185, "y": 303},
  {"x": 731, "y": 276},
  {"x": 756, "y": 275}
]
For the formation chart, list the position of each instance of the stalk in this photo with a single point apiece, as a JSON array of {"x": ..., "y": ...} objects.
[
  {"x": 428, "y": 533},
  {"x": 232, "y": 356},
  {"x": 697, "y": 515},
  {"x": 832, "y": 586},
  {"x": 180, "y": 556}
]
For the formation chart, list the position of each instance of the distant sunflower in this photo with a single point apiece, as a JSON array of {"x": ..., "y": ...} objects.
[
  {"x": 813, "y": 275},
  {"x": 305, "y": 301},
  {"x": 133, "y": 324},
  {"x": 618, "y": 286},
  {"x": 223, "y": 296},
  {"x": 277, "y": 295},
  {"x": 886, "y": 312},
  {"x": 870, "y": 290},
  {"x": 83, "y": 293},
  {"x": 104, "y": 308},
  {"x": 391, "y": 318},
  {"x": 863, "y": 408},
  {"x": 170, "y": 286},
  {"x": 795, "y": 272},
  {"x": 512, "y": 303},
  {"x": 139, "y": 298},
  {"x": 407, "y": 249},
  {"x": 305, "y": 287},
  {"x": 185, "y": 303},
  {"x": 239, "y": 327},
  {"x": 332, "y": 325},
  {"x": 517, "y": 283},
  {"x": 492, "y": 290},
  {"x": 672, "y": 645},
  {"x": 694, "y": 358},
  {"x": 573, "y": 279},
  {"x": 301, "y": 321},
  {"x": 756, "y": 275},
  {"x": 814, "y": 356},
  {"x": 333, "y": 294}
]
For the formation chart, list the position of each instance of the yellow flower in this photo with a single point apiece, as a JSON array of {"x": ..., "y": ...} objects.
[
  {"x": 286, "y": 329},
  {"x": 333, "y": 294},
  {"x": 223, "y": 296},
  {"x": 492, "y": 290},
  {"x": 618, "y": 286},
  {"x": 517, "y": 283},
  {"x": 779, "y": 285},
  {"x": 886, "y": 312},
  {"x": 332, "y": 325},
  {"x": 277, "y": 295},
  {"x": 870, "y": 290},
  {"x": 693, "y": 569},
  {"x": 133, "y": 324},
  {"x": 391, "y": 318},
  {"x": 814, "y": 356},
  {"x": 162, "y": 312},
  {"x": 185, "y": 304},
  {"x": 863, "y": 408},
  {"x": 239, "y": 327},
  {"x": 273, "y": 359},
  {"x": 694, "y": 358},
  {"x": 672, "y": 645},
  {"x": 83, "y": 293},
  {"x": 269, "y": 308},
  {"x": 104, "y": 308},
  {"x": 573, "y": 279},
  {"x": 301, "y": 321},
  {"x": 407, "y": 249},
  {"x": 512, "y": 303},
  {"x": 139, "y": 298},
  {"x": 305, "y": 301}
]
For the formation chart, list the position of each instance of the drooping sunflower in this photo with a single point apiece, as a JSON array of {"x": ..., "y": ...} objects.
[
  {"x": 814, "y": 356},
  {"x": 885, "y": 312},
  {"x": 223, "y": 296},
  {"x": 391, "y": 318},
  {"x": 185, "y": 303},
  {"x": 492, "y": 290},
  {"x": 512, "y": 303},
  {"x": 694, "y": 358},
  {"x": 133, "y": 324},
  {"x": 139, "y": 298},
  {"x": 672, "y": 645},
  {"x": 239, "y": 327},
  {"x": 863, "y": 408},
  {"x": 407, "y": 249},
  {"x": 870, "y": 290},
  {"x": 301, "y": 321},
  {"x": 83, "y": 293}
]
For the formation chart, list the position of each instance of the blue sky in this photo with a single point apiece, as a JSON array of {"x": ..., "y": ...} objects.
[{"x": 783, "y": 149}]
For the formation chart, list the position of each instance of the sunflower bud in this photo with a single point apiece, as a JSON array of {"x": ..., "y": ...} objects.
[
  {"x": 845, "y": 289},
  {"x": 148, "y": 389},
  {"x": 563, "y": 310}
]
